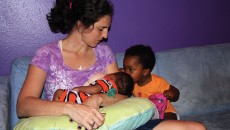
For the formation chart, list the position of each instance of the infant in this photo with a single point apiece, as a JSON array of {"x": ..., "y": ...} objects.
[{"x": 111, "y": 84}]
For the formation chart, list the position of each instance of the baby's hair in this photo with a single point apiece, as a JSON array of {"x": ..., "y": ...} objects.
[
  {"x": 65, "y": 13},
  {"x": 144, "y": 54},
  {"x": 124, "y": 83}
]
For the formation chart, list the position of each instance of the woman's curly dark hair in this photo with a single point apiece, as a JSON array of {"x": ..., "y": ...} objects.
[{"x": 65, "y": 13}]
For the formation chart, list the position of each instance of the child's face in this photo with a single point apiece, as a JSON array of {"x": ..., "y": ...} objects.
[{"x": 132, "y": 66}]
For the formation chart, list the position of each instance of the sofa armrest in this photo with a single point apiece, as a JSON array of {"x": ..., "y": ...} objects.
[
  {"x": 4, "y": 97},
  {"x": 19, "y": 69}
]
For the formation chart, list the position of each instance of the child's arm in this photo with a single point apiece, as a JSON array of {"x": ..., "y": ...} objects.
[
  {"x": 57, "y": 94},
  {"x": 103, "y": 100},
  {"x": 172, "y": 94},
  {"x": 89, "y": 89}
]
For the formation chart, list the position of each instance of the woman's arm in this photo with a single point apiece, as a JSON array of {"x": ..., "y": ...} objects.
[
  {"x": 29, "y": 102},
  {"x": 31, "y": 91}
]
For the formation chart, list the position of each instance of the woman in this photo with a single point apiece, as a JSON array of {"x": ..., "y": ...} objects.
[{"x": 71, "y": 62}]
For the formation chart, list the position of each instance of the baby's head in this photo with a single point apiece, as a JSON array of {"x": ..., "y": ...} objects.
[
  {"x": 123, "y": 81},
  {"x": 139, "y": 61}
]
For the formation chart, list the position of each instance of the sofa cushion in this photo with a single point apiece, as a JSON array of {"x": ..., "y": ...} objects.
[
  {"x": 4, "y": 96},
  {"x": 19, "y": 69},
  {"x": 127, "y": 114},
  {"x": 202, "y": 75},
  {"x": 213, "y": 120}
]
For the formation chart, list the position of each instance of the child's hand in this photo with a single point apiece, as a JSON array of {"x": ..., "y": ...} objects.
[
  {"x": 57, "y": 94},
  {"x": 169, "y": 94},
  {"x": 76, "y": 89}
]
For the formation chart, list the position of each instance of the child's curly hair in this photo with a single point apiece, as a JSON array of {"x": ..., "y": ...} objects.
[{"x": 145, "y": 55}]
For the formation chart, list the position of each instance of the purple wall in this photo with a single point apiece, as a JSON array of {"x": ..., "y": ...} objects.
[{"x": 162, "y": 24}]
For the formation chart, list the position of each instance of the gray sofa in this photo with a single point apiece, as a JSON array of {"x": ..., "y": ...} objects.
[
  {"x": 4, "y": 98},
  {"x": 202, "y": 74}
]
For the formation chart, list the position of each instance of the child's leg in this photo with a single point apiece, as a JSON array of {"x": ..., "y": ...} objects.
[
  {"x": 170, "y": 116},
  {"x": 179, "y": 125},
  {"x": 150, "y": 124}
]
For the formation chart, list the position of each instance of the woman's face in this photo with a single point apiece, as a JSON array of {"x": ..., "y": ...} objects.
[
  {"x": 132, "y": 66},
  {"x": 95, "y": 33}
]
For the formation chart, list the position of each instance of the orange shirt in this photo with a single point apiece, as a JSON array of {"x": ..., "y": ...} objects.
[{"x": 157, "y": 85}]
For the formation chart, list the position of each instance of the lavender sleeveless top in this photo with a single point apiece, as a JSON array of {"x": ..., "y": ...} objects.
[{"x": 60, "y": 76}]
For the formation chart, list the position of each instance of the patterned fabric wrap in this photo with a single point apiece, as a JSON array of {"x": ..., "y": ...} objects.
[
  {"x": 161, "y": 103},
  {"x": 79, "y": 97},
  {"x": 108, "y": 86},
  {"x": 73, "y": 96}
]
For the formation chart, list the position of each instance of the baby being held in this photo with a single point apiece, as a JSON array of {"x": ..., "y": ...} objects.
[{"x": 111, "y": 84}]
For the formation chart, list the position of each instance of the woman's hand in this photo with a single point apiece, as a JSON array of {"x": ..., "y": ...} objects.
[
  {"x": 85, "y": 115},
  {"x": 89, "y": 115}
]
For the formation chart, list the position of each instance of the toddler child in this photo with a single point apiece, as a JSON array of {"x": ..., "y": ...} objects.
[
  {"x": 139, "y": 62},
  {"x": 111, "y": 84}
]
